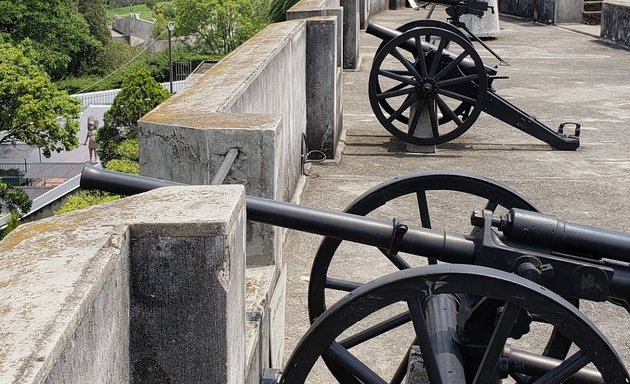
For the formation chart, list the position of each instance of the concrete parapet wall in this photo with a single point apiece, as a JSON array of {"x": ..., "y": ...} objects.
[
  {"x": 546, "y": 11},
  {"x": 100, "y": 295},
  {"x": 615, "y": 26},
  {"x": 253, "y": 100},
  {"x": 368, "y": 8}
]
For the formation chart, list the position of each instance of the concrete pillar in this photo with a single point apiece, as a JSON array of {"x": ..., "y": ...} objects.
[
  {"x": 150, "y": 287},
  {"x": 423, "y": 129},
  {"x": 187, "y": 299},
  {"x": 322, "y": 103},
  {"x": 485, "y": 26},
  {"x": 351, "y": 26}
]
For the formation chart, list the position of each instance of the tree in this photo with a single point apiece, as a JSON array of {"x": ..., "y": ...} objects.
[
  {"x": 96, "y": 16},
  {"x": 15, "y": 202},
  {"x": 139, "y": 94},
  {"x": 32, "y": 109},
  {"x": 220, "y": 26},
  {"x": 55, "y": 28}
]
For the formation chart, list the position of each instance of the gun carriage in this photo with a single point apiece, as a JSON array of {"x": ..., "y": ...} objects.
[
  {"x": 514, "y": 269},
  {"x": 428, "y": 84}
]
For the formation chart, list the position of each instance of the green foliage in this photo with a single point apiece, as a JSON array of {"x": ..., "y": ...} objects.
[
  {"x": 31, "y": 105},
  {"x": 12, "y": 223},
  {"x": 220, "y": 26},
  {"x": 140, "y": 93},
  {"x": 96, "y": 16},
  {"x": 106, "y": 71},
  {"x": 163, "y": 13},
  {"x": 124, "y": 166},
  {"x": 14, "y": 199},
  {"x": 127, "y": 150},
  {"x": 85, "y": 199},
  {"x": 279, "y": 9},
  {"x": 150, "y": 3},
  {"x": 55, "y": 28}
]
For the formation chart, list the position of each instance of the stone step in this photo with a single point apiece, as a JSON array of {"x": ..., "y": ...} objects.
[
  {"x": 592, "y": 18},
  {"x": 592, "y": 6}
]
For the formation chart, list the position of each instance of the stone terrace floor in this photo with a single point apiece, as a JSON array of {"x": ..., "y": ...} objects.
[{"x": 557, "y": 75}]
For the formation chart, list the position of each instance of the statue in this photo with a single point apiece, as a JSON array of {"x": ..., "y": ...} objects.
[{"x": 90, "y": 139}]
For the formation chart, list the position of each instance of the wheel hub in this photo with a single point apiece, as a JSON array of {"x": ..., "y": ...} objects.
[{"x": 427, "y": 86}]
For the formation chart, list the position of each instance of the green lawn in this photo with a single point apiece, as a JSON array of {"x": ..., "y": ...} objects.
[{"x": 143, "y": 10}]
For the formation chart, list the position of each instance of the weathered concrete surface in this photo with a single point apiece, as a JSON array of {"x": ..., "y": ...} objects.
[
  {"x": 305, "y": 9},
  {"x": 64, "y": 283},
  {"x": 568, "y": 11},
  {"x": 323, "y": 105},
  {"x": 253, "y": 100},
  {"x": 485, "y": 26},
  {"x": 351, "y": 28},
  {"x": 556, "y": 75},
  {"x": 615, "y": 27}
]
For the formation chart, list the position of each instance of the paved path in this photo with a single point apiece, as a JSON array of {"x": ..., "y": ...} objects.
[{"x": 557, "y": 75}]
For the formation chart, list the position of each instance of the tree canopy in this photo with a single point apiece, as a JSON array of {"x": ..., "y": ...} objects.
[
  {"x": 220, "y": 25},
  {"x": 32, "y": 109},
  {"x": 55, "y": 28},
  {"x": 139, "y": 94}
]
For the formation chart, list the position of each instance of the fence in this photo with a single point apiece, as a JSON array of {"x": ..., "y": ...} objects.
[
  {"x": 107, "y": 97},
  {"x": 13, "y": 173}
]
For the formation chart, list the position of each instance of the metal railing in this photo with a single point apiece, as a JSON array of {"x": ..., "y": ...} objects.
[{"x": 107, "y": 97}]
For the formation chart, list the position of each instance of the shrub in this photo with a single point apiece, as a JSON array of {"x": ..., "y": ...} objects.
[{"x": 125, "y": 166}]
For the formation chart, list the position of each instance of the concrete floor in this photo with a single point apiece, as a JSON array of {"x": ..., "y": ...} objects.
[{"x": 556, "y": 75}]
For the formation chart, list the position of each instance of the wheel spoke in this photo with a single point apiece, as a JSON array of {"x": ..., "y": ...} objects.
[
  {"x": 425, "y": 219},
  {"x": 395, "y": 76},
  {"x": 446, "y": 110},
  {"x": 458, "y": 80},
  {"x": 488, "y": 365},
  {"x": 438, "y": 55},
  {"x": 352, "y": 364},
  {"x": 423, "y": 207},
  {"x": 398, "y": 261},
  {"x": 416, "y": 117},
  {"x": 342, "y": 285},
  {"x": 565, "y": 370},
  {"x": 433, "y": 118},
  {"x": 457, "y": 96},
  {"x": 399, "y": 92},
  {"x": 403, "y": 60},
  {"x": 450, "y": 66},
  {"x": 420, "y": 58},
  {"x": 422, "y": 334},
  {"x": 376, "y": 330},
  {"x": 410, "y": 100}
]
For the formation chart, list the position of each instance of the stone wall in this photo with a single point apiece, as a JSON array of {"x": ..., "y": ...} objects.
[
  {"x": 253, "y": 100},
  {"x": 545, "y": 11},
  {"x": 99, "y": 295},
  {"x": 615, "y": 26}
]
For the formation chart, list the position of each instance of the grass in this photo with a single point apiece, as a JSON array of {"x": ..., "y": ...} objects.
[{"x": 143, "y": 10}]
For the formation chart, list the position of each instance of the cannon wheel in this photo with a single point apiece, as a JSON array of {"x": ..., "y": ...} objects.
[
  {"x": 429, "y": 81},
  {"x": 419, "y": 186},
  {"x": 463, "y": 109},
  {"x": 410, "y": 287}
]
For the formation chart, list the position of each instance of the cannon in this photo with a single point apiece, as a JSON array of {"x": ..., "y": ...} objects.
[
  {"x": 428, "y": 85},
  {"x": 512, "y": 270}
]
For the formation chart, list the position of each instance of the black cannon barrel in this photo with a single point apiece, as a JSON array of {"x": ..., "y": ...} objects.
[
  {"x": 565, "y": 237},
  {"x": 438, "y": 244},
  {"x": 387, "y": 34}
]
